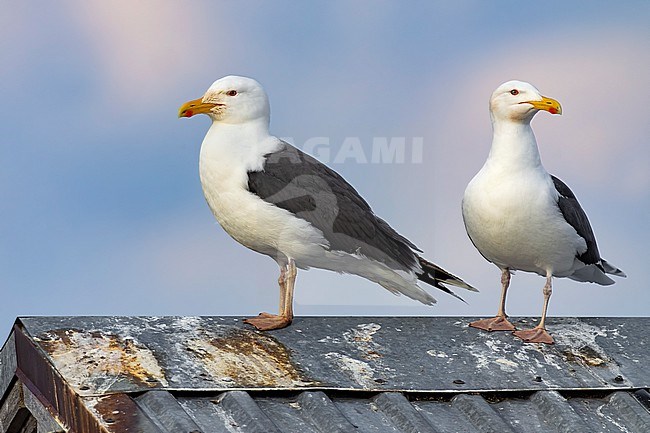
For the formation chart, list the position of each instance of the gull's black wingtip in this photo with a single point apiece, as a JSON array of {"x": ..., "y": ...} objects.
[{"x": 434, "y": 275}]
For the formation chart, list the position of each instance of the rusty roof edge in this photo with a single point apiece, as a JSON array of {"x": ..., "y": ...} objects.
[{"x": 37, "y": 372}]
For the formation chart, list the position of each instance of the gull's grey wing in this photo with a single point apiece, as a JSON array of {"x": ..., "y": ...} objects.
[
  {"x": 300, "y": 184},
  {"x": 577, "y": 218}
]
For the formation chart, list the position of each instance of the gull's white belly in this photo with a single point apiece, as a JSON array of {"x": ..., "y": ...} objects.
[
  {"x": 515, "y": 223},
  {"x": 255, "y": 223}
]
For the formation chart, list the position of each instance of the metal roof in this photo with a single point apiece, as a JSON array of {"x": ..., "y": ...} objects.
[{"x": 329, "y": 374}]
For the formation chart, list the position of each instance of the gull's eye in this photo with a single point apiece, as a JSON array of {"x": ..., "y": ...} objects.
[
  {"x": 514, "y": 92},
  {"x": 231, "y": 92}
]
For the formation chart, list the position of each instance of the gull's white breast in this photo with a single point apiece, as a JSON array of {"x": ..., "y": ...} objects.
[
  {"x": 251, "y": 221},
  {"x": 513, "y": 219}
]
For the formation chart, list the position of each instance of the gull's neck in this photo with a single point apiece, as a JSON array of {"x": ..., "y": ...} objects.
[
  {"x": 513, "y": 145},
  {"x": 241, "y": 143}
]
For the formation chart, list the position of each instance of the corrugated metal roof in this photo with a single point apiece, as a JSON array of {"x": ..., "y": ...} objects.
[
  {"x": 334, "y": 374},
  {"x": 316, "y": 411}
]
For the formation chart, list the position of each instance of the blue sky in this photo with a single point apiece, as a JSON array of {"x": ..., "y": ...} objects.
[{"x": 102, "y": 210}]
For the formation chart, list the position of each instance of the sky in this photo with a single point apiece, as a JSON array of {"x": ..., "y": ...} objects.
[{"x": 102, "y": 212}]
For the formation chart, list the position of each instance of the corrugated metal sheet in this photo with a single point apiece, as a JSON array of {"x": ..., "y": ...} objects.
[
  {"x": 335, "y": 374},
  {"x": 542, "y": 411},
  {"x": 386, "y": 412}
]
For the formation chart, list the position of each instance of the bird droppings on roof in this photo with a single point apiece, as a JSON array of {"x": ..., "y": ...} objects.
[
  {"x": 360, "y": 368},
  {"x": 362, "y": 336},
  {"x": 361, "y": 372},
  {"x": 104, "y": 358},
  {"x": 580, "y": 341},
  {"x": 334, "y": 374},
  {"x": 215, "y": 353},
  {"x": 248, "y": 359},
  {"x": 437, "y": 354}
]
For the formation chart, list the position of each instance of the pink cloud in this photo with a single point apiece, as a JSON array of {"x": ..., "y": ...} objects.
[{"x": 142, "y": 49}]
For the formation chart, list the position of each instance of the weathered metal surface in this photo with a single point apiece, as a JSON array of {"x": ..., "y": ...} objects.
[
  {"x": 626, "y": 408},
  {"x": 240, "y": 356},
  {"x": 560, "y": 415},
  {"x": 102, "y": 359},
  {"x": 20, "y": 411},
  {"x": 481, "y": 414},
  {"x": 47, "y": 385},
  {"x": 245, "y": 412},
  {"x": 163, "y": 407},
  {"x": 45, "y": 419},
  {"x": 389, "y": 375},
  {"x": 118, "y": 413},
  {"x": 99, "y": 355},
  {"x": 399, "y": 410},
  {"x": 644, "y": 397},
  {"x": 210, "y": 417},
  {"x": 540, "y": 411},
  {"x": 319, "y": 410},
  {"x": 7, "y": 365},
  {"x": 12, "y": 411}
]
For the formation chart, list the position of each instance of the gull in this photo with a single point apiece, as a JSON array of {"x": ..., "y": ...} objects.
[
  {"x": 520, "y": 217},
  {"x": 279, "y": 201}
]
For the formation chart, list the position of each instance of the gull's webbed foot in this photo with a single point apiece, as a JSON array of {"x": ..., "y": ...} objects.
[
  {"x": 535, "y": 335},
  {"x": 498, "y": 323},
  {"x": 267, "y": 321}
]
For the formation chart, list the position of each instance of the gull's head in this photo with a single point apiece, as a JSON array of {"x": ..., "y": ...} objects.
[
  {"x": 519, "y": 101},
  {"x": 230, "y": 99}
]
